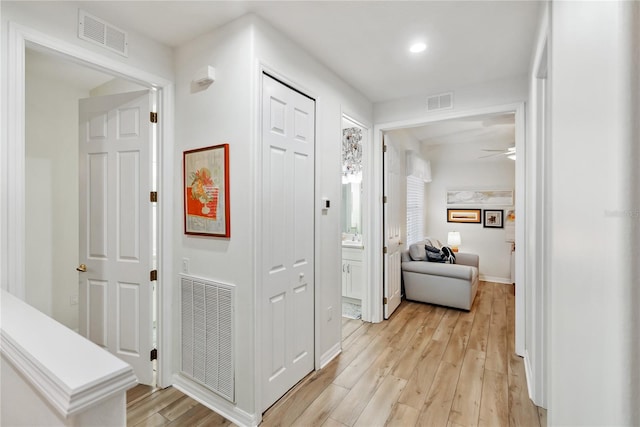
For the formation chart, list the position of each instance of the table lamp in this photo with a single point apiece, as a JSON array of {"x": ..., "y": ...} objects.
[{"x": 453, "y": 240}]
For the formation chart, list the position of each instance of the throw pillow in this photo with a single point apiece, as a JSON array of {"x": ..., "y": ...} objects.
[
  {"x": 417, "y": 252},
  {"x": 449, "y": 255},
  {"x": 434, "y": 254}
]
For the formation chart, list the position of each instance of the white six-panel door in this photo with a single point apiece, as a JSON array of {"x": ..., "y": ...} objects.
[
  {"x": 115, "y": 227},
  {"x": 287, "y": 273},
  {"x": 392, "y": 226}
]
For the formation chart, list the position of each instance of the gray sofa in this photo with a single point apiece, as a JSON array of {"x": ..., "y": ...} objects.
[{"x": 451, "y": 285}]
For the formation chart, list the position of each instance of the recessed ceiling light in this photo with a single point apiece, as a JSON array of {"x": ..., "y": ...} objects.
[{"x": 417, "y": 47}]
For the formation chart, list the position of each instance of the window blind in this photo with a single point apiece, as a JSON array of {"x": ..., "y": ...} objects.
[{"x": 415, "y": 209}]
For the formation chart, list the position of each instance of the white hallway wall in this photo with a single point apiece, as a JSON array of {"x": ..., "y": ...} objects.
[
  {"x": 452, "y": 168},
  {"x": 59, "y": 20},
  {"x": 227, "y": 112},
  {"x": 52, "y": 193},
  {"x": 220, "y": 114},
  {"x": 228, "y": 118},
  {"x": 537, "y": 213},
  {"x": 488, "y": 94},
  {"x": 52, "y": 205},
  {"x": 594, "y": 349}
]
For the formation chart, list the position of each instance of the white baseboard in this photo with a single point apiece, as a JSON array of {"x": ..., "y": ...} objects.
[
  {"x": 214, "y": 402},
  {"x": 496, "y": 279},
  {"x": 331, "y": 354},
  {"x": 529, "y": 374}
]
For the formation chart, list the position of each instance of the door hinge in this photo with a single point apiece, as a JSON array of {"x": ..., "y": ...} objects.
[
  {"x": 153, "y": 275},
  {"x": 384, "y": 148},
  {"x": 384, "y": 250},
  {"x": 153, "y": 196},
  {"x": 153, "y": 117},
  {"x": 384, "y": 300},
  {"x": 384, "y": 199},
  {"x": 153, "y": 355}
]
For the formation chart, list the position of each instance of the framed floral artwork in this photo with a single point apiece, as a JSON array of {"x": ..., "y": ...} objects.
[{"x": 206, "y": 191}]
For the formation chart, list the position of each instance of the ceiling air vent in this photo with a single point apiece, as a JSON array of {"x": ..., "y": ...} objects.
[
  {"x": 443, "y": 101},
  {"x": 100, "y": 32}
]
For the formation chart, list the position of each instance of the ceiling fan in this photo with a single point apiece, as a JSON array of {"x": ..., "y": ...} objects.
[{"x": 510, "y": 153}]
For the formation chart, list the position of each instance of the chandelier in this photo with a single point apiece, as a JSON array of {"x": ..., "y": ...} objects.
[{"x": 351, "y": 154}]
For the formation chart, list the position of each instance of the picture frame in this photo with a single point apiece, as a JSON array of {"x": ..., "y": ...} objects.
[
  {"x": 493, "y": 218},
  {"x": 480, "y": 197},
  {"x": 472, "y": 216},
  {"x": 206, "y": 191}
]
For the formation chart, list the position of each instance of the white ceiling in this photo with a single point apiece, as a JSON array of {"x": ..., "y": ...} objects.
[
  {"x": 365, "y": 42},
  {"x": 478, "y": 134},
  {"x": 493, "y": 131},
  {"x": 66, "y": 72}
]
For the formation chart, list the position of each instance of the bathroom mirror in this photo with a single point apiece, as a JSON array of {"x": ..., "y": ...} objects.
[
  {"x": 352, "y": 140},
  {"x": 351, "y": 202}
]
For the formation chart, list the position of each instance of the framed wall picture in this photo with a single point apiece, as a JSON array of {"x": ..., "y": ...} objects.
[
  {"x": 464, "y": 215},
  {"x": 206, "y": 191},
  {"x": 493, "y": 218},
  {"x": 480, "y": 197},
  {"x": 510, "y": 225}
]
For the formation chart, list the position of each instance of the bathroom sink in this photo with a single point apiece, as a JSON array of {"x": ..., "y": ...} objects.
[{"x": 352, "y": 243}]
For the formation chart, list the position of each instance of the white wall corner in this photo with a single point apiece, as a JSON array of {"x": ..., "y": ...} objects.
[
  {"x": 215, "y": 402},
  {"x": 529, "y": 376},
  {"x": 495, "y": 279},
  {"x": 330, "y": 354},
  {"x": 12, "y": 218}
]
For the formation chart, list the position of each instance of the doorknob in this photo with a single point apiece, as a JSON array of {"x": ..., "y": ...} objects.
[{"x": 81, "y": 268}]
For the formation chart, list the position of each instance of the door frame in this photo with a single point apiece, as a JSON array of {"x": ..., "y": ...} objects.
[
  {"x": 257, "y": 169},
  {"x": 376, "y": 205},
  {"x": 13, "y": 261},
  {"x": 366, "y": 216}
]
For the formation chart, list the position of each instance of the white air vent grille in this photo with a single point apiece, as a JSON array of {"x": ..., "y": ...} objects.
[
  {"x": 443, "y": 101},
  {"x": 100, "y": 32},
  {"x": 207, "y": 334}
]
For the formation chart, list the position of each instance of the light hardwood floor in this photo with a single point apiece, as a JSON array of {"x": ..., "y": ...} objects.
[{"x": 426, "y": 366}]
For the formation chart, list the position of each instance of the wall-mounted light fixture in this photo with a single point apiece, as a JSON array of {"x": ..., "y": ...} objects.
[
  {"x": 204, "y": 76},
  {"x": 351, "y": 155}
]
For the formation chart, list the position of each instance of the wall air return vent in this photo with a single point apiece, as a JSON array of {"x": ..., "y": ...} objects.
[
  {"x": 100, "y": 32},
  {"x": 208, "y": 334},
  {"x": 443, "y": 101}
]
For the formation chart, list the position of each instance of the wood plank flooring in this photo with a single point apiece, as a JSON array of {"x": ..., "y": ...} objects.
[{"x": 426, "y": 366}]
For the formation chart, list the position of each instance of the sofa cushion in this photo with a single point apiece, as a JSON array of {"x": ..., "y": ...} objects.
[
  {"x": 418, "y": 252},
  {"x": 466, "y": 258},
  {"x": 437, "y": 269}
]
